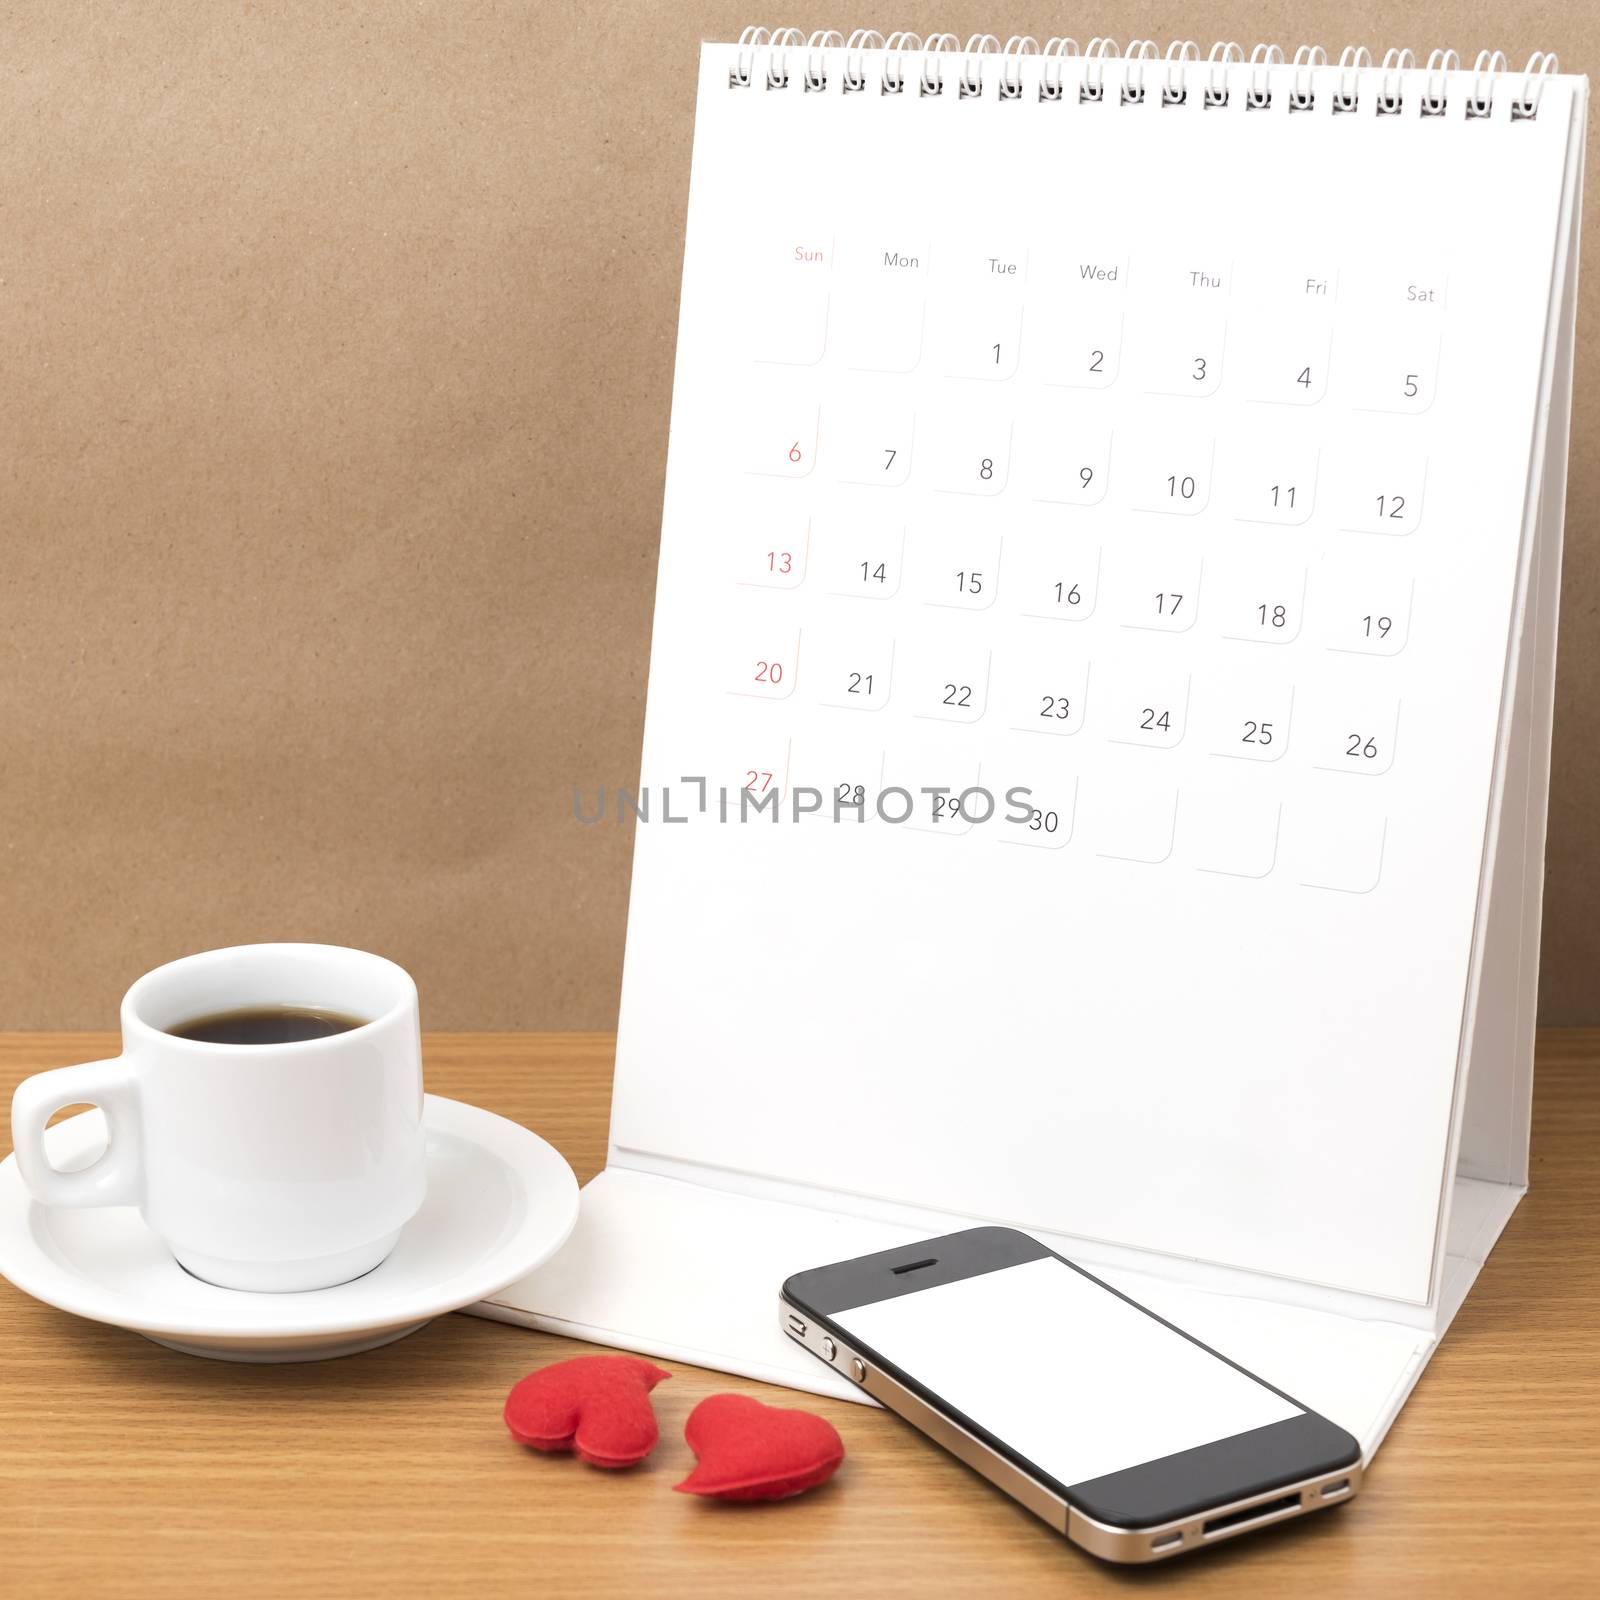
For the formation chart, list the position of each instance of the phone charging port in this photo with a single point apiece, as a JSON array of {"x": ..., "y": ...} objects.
[{"x": 1255, "y": 1513}]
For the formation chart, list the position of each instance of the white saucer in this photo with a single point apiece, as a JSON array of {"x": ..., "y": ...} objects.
[{"x": 500, "y": 1201}]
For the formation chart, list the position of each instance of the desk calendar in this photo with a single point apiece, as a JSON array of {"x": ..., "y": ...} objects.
[{"x": 1103, "y": 654}]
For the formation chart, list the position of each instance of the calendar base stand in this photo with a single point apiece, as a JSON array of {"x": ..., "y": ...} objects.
[{"x": 680, "y": 1271}]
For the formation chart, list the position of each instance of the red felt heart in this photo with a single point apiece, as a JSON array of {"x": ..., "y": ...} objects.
[
  {"x": 748, "y": 1451},
  {"x": 598, "y": 1406}
]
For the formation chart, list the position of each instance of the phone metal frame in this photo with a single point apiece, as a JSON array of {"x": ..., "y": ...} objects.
[{"x": 1130, "y": 1545}]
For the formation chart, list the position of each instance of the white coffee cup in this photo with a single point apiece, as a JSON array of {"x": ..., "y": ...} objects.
[{"x": 263, "y": 1166}]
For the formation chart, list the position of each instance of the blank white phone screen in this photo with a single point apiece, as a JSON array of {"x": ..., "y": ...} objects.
[{"x": 1076, "y": 1380}]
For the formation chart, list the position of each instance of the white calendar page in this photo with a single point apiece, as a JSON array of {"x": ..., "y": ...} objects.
[{"x": 1171, "y": 463}]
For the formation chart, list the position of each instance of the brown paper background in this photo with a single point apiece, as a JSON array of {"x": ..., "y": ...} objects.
[{"x": 335, "y": 357}]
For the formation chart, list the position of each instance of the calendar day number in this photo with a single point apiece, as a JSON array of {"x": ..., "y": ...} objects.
[
  {"x": 1245, "y": 720},
  {"x": 1151, "y": 713},
  {"x": 1358, "y": 739},
  {"x": 770, "y": 556},
  {"x": 949, "y": 683},
  {"x": 1159, "y": 588},
  {"x": 764, "y": 667},
  {"x": 1173, "y": 476},
  {"x": 780, "y": 441}
]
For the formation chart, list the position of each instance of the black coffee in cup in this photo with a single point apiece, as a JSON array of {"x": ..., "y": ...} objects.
[{"x": 266, "y": 1025}]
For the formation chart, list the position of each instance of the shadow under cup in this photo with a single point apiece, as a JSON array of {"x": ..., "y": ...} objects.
[{"x": 276, "y": 1167}]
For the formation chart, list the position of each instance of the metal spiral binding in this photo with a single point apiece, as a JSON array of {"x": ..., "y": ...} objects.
[
  {"x": 1054, "y": 53},
  {"x": 1222, "y": 56},
  {"x": 1139, "y": 52},
  {"x": 1542, "y": 64},
  {"x": 1095, "y": 57},
  {"x": 1175, "y": 81},
  {"x": 910, "y": 58},
  {"x": 1017, "y": 46},
  {"x": 1258, "y": 97},
  {"x": 816, "y": 78},
  {"x": 1352, "y": 59},
  {"x": 1433, "y": 97},
  {"x": 904, "y": 44},
  {"x": 932, "y": 80},
  {"x": 855, "y": 72},
  {"x": 1481, "y": 101},
  {"x": 1390, "y": 101}
]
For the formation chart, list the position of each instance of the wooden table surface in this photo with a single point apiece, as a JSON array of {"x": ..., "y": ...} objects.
[{"x": 129, "y": 1470}]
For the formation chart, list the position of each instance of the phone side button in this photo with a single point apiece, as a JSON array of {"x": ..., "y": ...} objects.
[
  {"x": 797, "y": 1326},
  {"x": 829, "y": 1349},
  {"x": 858, "y": 1370}
]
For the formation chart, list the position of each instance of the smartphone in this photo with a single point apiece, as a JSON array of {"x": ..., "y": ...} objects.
[{"x": 1121, "y": 1431}]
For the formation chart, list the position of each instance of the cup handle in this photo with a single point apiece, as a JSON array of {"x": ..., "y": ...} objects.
[{"x": 116, "y": 1178}]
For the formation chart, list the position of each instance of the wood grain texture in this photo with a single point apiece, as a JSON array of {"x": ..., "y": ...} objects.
[
  {"x": 337, "y": 347},
  {"x": 127, "y": 1470}
]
